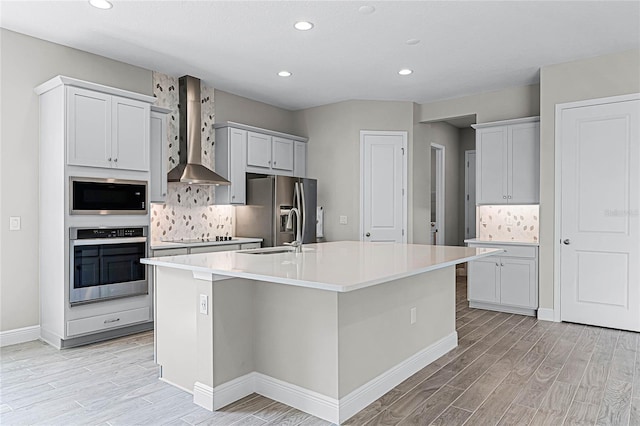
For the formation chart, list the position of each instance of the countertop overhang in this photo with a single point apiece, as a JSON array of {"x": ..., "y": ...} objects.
[{"x": 340, "y": 266}]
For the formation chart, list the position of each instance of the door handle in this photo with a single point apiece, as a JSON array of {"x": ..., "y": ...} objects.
[
  {"x": 566, "y": 242},
  {"x": 368, "y": 234}
]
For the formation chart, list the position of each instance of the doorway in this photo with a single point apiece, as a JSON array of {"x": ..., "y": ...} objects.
[{"x": 437, "y": 194}]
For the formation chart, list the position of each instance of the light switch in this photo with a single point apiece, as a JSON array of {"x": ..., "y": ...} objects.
[
  {"x": 343, "y": 220},
  {"x": 14, "y": 223}
]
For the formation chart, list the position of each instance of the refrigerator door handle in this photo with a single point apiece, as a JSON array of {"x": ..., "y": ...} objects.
[{"x": 304, "y": 211}]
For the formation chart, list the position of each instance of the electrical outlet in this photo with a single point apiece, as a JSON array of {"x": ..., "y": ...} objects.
[
  {"x": 343, "y": 220},
  {"x": 204, "y": 304},
  {"x": 414, "y": 315},
  {"x": 14, "y": 223}
]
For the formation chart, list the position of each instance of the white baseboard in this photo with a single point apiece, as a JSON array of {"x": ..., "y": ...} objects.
[
  {"x": 374, "y": 389},
  {"x": 545, "y": 314},
  {"x": 322, "y": 406},
  {"x": 19, "y": 335},
  {"x": 306, "y": 400}
]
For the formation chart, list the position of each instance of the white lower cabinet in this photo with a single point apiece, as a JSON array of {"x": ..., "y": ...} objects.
[
  {"x": 213, "y": 249},
  {"x": 507, "y": 283}
]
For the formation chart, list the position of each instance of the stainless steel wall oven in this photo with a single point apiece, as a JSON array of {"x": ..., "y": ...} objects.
[{"x": 105, "y": 263}]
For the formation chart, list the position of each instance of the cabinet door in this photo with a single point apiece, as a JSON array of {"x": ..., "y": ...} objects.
[
  {"x": 130, "y": 132},
  {"x": 282, "y": 154},
  {"x": 88, "y": 128},
  {"x": 518, "y": 282},
  {"x": 237, "y": 165},
  {"x": 491, "y": 166},
  {"x": 300, "y": 159},
  {"x": 483, "y": 284},
  {"x": 158, "y": 164},
  {"x": 524, "y": 163},
  {"x": 258, "y": 150}
]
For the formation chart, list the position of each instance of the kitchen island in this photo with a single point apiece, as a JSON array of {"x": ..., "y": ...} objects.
[{"x": 328, "y": 330}]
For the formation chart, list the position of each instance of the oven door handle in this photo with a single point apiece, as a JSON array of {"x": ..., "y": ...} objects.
[{"x": 102, "y": 241}]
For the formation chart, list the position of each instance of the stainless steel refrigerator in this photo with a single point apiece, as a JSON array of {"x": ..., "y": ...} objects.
[{"x": 269, "y": 200}]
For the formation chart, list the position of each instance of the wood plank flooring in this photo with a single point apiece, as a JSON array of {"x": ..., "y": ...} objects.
[{"x": 507, "y": 370}]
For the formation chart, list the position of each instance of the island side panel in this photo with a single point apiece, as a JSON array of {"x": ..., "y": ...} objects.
[
  {"x": 375, "y": 330},
  {"x": 176, "y": 326},
  {"x": 296, "y": 336},
  {"x": 233, "y": 329}
]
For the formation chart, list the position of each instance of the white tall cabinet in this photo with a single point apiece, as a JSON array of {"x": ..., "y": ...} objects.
[
  {"x": 508, "y": 162},
  {"x": 158, "y": 148},
  {"x": 242, "y": 149},
  {"x": 87, "y": 130}
]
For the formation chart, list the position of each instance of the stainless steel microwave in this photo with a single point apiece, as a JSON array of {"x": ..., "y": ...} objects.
[{"x": 107, "y": 196}]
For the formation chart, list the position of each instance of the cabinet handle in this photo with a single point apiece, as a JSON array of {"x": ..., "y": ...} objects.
[
  {"x": 497, "y": 264},
  {"x": 109, "y": 159},
  {"x": 274, "y": 163},
  {"x": 507, "y": 197},
  {"x": 504, "y": 196},
  {"x": 164, "y": 194},
  {"x": 112, "y": 320},
  {"x": 115, "y": 159},
  {"x": 501, "y": 264},
  {"x": 233, "y": 197},
  {"x": 269, "y": 162}
]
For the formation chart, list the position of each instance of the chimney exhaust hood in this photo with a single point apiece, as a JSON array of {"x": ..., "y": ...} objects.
[{"x": 190, "y": 168}]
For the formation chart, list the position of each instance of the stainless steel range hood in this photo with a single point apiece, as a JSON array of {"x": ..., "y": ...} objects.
[{"x": 190, "y": 168}]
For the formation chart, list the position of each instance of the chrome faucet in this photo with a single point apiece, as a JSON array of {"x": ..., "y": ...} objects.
[{"x": 297, "y": 244}]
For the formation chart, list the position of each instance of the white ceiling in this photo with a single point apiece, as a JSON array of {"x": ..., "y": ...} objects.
[{"x": 466, "y": 46}]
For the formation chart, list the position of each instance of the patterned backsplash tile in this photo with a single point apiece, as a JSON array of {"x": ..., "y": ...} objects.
[
  {"x": 508, "y": 223},
  {"x": 189, "y": 211}
]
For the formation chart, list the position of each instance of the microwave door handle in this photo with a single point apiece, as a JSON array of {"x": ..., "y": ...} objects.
[{"x": 102, "y": 241}]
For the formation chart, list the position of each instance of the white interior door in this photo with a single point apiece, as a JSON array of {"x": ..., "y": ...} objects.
[
  {"x": 383, "y": 199},
  {"x": 599, "y": 219},
  {"x": 470, "y": 195}
]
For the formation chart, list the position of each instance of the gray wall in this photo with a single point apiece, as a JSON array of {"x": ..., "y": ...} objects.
[
  {"x": 230, "y": 107},
  {"x": 27, "y": 62},
  {"x": 592, "y": 78},
  {"x": 333, "y": 155},
  {"x": 514, "y": 102}
]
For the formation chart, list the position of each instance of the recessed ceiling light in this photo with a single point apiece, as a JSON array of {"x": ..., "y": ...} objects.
[
  {"x": 303, "y": 25},
  {"x": 405, "y": 71},
  {"x": 284, "y": 74},
  {"x": 101, "y": 4},
  {"x": 366, "y": 10},
  {"x": 412, "y": 41}
]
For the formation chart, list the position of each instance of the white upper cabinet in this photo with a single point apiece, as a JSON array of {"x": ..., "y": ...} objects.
[
  {"x": 258, "y": 150},
  {"x": 158, "y": 147},
  {"x": 263, "y": 151},
  {"x": 300, "y": 159},
  {"x": 508, "y": 162},
  {"x": 88, "y": 128},
  {"x": 282, "y": 153},
  {"x": 106, "y": 130},
  {"x": 231, "y": 163}
]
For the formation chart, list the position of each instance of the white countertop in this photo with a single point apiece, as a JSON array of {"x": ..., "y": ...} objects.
[
  {"x": 336, "y": 266},
  {"x": 503, "y": 243},
  {"x": 157, "y": 245}
]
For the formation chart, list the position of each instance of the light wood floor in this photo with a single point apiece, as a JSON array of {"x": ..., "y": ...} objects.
[{"x": 507, "y": 370}]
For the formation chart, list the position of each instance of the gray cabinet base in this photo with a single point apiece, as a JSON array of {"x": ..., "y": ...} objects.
[{"x": 504, "y": 308}]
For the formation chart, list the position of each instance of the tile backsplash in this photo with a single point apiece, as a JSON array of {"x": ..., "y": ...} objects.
[
  {"x": 508, "y": 223},
  {"x": 189, "y": 211}
]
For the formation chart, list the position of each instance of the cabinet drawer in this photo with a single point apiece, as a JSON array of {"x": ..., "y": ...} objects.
[
  {"x": 250, "y": 246},
  {"x": 106, "y": 322},
  {"x": 212, "y": 249},
  {"x": 509, "y": 250},
  {"x": 169, "y": 252}
]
